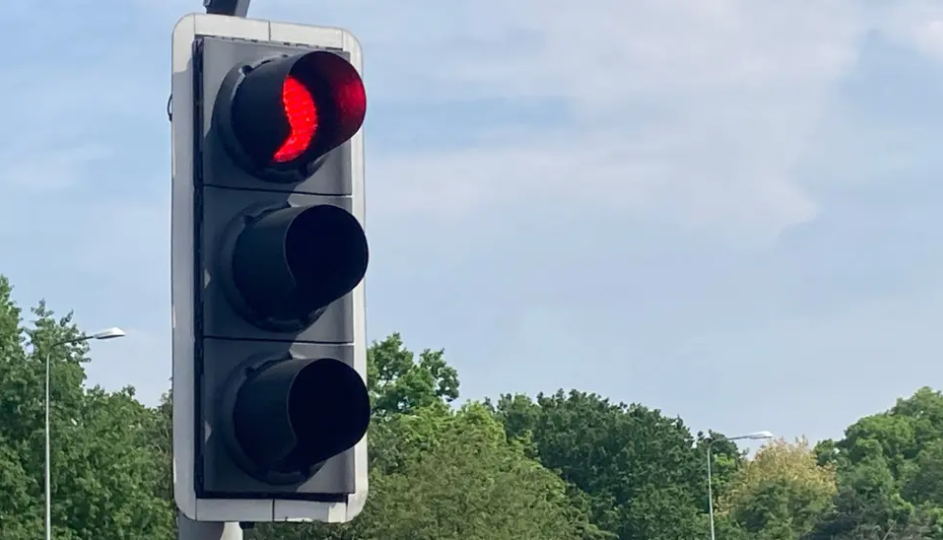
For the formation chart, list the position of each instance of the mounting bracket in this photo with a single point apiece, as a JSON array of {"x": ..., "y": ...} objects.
[{"x": 233, "y": 8}]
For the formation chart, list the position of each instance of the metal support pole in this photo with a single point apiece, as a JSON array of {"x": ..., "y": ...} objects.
[
  {"x": 188, "y": 529},
  {"x": 757, "y": 435},
  {"x": 710, "y": 489},
  {"x": 47, "y": 480},
  {"x": 109, "y": 333}
]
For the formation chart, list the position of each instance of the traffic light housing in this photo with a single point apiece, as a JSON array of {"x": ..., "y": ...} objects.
[{"x": 268, "y": 258}]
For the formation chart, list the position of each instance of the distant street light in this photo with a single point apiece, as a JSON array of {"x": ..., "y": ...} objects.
[
  {"x": 756, "y": 435},
  {"x": 108, "y": 333}
]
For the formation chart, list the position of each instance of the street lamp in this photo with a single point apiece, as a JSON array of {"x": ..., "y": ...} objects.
[
  {"x": 757, "y": 435},
  {"x": 108, "y": 333}
]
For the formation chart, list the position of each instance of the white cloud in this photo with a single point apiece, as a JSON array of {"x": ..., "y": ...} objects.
[
  {"x": 605, "y": 53},
  {"x": 694, "y": 114},
  {"x": 918, "y": 23}
]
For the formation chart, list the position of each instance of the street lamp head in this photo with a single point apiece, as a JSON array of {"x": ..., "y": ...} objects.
[
  {"x": 108, "y": 333},
  {"x": 760, "y": 435}
]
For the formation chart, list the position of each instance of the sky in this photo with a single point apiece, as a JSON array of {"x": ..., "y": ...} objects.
[{"x": 727, "y": 210}]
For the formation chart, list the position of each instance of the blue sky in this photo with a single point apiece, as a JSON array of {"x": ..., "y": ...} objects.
[{"x": 728, "y": 210}]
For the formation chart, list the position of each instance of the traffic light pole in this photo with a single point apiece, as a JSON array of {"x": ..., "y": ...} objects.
[{"x": 188, "y": 529}]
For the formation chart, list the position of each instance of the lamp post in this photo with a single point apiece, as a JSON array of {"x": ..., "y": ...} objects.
[
  {"x": 759, "y": 435},
  {"x": 108, "y": 333}
]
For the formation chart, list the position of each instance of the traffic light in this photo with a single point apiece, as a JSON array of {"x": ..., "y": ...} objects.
[{"x": 268, "y": 258}]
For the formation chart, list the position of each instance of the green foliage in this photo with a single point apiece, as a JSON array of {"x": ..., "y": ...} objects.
[
  {"x": 401, "y": 384},
  {"x": 437, "y": 474},
  {"x": 781, "y": 493},
  {"x": 923, "y": 483},
  {"x": 104, "y": 479},
  {"x": 726, "y": 461},
  {"x": 639, "y": 471},
  {"x": 455, "y": 476},
  {"x": 889, "y": 474}
]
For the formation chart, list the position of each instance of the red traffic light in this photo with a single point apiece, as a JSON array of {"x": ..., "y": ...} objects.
[
  {"x": 287, "y": 112},
  {"x": 302, "y": 116}
]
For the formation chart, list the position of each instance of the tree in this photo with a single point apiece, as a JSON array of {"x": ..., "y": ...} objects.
[
  {"x": 726, "y": 461},
  {"x": 447, "y": 475},
  {"x": 638, "y": 470},
  {"x": 103, "y": 474},
  {"x": 781, "y": 493},
  {"x": 888, "y": 463},
  {"x": 110, "y": 473},
  {"x": 161, "y": 437},
  {"x": 565, "y": 466},
  {"x": 401, "y": 383},
  {"x": 437, "y": 473},
  {"x": 925, "y": 409}
]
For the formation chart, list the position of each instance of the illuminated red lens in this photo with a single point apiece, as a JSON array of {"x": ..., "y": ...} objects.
[
  {"x": 302, "y": 116},
  {"x": 351, "y": 100}
]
